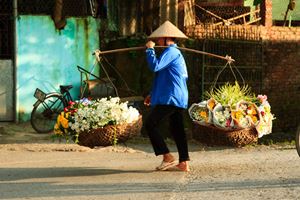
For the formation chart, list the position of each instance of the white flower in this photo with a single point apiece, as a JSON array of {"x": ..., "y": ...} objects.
[{"x": 98, "y": 113}]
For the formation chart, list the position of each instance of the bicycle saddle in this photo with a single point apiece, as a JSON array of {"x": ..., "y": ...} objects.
[{"x": 65, "y": 88}]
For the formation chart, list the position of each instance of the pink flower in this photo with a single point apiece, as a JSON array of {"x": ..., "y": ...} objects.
[
  {"x": 228, "y": 123},
  {"x": 66, "y": 109},
  {"x": 262, "y": 98},
  {"x": 71, "y": 103},
  {"x": 74, "y": 111}
]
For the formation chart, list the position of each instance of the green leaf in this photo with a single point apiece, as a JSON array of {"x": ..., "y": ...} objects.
[{"x": 229, "y": 95}]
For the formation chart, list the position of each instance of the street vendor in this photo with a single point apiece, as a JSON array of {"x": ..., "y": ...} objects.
[{"x": 168, "y": 97}]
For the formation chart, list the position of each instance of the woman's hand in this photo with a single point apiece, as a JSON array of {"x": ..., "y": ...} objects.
[
  {"x": 147, "y": 100},
  {"x": 150, "y": 44}
]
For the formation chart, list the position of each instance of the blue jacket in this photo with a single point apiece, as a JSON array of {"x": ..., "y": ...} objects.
[{"x": 169, "y": 85}]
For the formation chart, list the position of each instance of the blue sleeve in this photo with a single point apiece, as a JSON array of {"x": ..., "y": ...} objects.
[{"x": 157, "y": 64}]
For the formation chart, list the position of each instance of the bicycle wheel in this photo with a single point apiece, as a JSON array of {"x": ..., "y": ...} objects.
[
  {"x": 44, "y": 115},
  {"x": 298, "y": 140}
]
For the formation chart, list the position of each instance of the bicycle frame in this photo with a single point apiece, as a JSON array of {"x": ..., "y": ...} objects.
[
  {"x": 66, "y": 97},
  {"x": 47, "y": 95},
  {"x": 41, "y": 96},
  {"x": 48, "y": 106}
]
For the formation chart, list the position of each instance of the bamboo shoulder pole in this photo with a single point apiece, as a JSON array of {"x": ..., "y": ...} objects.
[{"x": 228, "y": 58}]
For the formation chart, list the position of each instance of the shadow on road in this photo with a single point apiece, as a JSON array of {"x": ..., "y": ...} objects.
[{"x": 14, "y": 174}]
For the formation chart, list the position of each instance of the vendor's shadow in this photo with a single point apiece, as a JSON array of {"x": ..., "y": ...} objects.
[
  {"x": 13, "y": 174},
  {"x": 143, "y": 144}
]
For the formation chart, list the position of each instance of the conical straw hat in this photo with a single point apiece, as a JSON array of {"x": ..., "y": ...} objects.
[{"x": 167, "y": 29}]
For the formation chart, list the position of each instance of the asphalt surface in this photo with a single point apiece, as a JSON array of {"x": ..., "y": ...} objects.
[{"x": 46, "y": 170}]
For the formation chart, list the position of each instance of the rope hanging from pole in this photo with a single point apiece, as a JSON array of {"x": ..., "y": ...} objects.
[{"x": 98, "y": 56}]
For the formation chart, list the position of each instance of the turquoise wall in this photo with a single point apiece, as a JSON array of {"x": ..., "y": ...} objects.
[{"x": 47, "y": 58}]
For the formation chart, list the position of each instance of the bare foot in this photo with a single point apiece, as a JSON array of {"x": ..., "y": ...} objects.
[
  {"x": 168, "y": 157},
  {"x": 168, "y": 162},
  {"x": 183, "y": 166}
]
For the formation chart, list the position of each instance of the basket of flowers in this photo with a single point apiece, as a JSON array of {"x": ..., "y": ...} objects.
[
  {"x": 238, "y": 117},
  {"x": 101, "y": 122}
]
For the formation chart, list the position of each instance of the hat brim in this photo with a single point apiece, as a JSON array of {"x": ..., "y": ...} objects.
[{"x": 167, "y": 29}]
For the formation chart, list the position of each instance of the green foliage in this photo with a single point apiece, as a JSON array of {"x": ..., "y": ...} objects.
[
  {"x": 115, "y": 139},
  {"x": 278, "y": 138},
  {"x": 229, "y": 94}
]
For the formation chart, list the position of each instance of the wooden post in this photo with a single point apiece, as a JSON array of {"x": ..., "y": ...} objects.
[{"x": 266, "y": 12}]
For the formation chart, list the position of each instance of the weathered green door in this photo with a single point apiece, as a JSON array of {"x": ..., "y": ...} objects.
[{"x": 6, "y": 61}]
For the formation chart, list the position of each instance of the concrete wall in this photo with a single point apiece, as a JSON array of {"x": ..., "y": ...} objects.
[
  {"x": 6, "y": 91},
  {"x": 47, "y": 58},
  {"x": 279, "y": 9}
]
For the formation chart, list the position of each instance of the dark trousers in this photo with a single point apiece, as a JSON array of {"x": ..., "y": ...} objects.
[{"x": 159, "y": 113}]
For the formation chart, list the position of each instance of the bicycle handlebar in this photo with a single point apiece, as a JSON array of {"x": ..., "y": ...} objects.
[{"x": 82, "y": 70}]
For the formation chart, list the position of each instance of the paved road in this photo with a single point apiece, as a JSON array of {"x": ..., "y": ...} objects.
[{"x": 56, "y": 171}]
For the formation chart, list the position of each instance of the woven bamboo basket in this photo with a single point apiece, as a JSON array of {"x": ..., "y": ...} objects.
[
  {"x": 214, "y": 136},
  {"x": 106, "y": 135}
]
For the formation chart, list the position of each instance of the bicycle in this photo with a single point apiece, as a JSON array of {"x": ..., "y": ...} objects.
[
  {"x": 298, "y": 140},
  {"x": 47, "y": 107}
]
